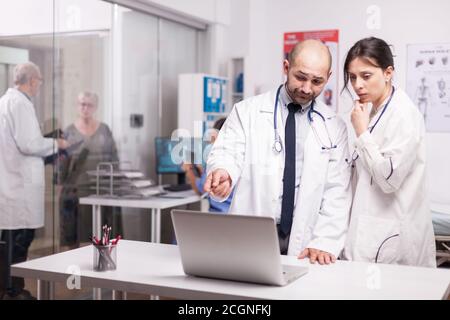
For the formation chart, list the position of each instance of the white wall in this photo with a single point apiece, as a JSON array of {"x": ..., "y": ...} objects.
[
  {"x": 269, "y": 19},
  {"x": 211, "y": 11},
  {"x": 22, "y": 17},
  {"x": 402, "y": 22},
  {"x": 216, "y": 13}
]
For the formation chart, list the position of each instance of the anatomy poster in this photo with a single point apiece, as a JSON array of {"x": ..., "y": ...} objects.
[
  {"x": 329, "y": 94},
  {"x": 428, "y": 83}
]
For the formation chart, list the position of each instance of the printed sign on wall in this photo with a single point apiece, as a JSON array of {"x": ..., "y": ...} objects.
[
  {"x": 428, "y": 83},
  {"x": 214, "y": 95}
]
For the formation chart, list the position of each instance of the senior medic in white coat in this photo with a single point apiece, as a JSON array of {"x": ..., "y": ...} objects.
[
  {"x": 22, "y": 182},
  {"x": 390, "y": 217},
  {"x": 286, "y": 159}
]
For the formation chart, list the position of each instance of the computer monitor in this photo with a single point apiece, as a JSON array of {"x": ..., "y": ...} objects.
[
  {"x": 172, "y": 153},
  {"x": 168, "y": 160}
]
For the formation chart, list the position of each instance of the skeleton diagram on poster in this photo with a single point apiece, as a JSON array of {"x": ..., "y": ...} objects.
[
  {"x": 330, "y": 38},
  {"x": 428, "y": 83}
]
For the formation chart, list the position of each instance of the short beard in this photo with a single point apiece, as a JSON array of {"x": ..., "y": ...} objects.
[{"x": 292, "y": 96}]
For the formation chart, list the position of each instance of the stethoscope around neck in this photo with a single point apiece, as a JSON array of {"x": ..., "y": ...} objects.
[
  {"x": 278, "y": 146},
  {"x": 355, "y": 154}
]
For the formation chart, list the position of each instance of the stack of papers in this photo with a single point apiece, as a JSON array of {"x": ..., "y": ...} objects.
[
  {"x": 125, "y": 183},
  {"x": 141, "y": 183},
  {"x": 119, "y": 181},
  {"x": 131, "y": 174}
]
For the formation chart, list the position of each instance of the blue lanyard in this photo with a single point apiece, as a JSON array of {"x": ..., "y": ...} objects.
[
  {"x": 373, "y": 127},
  {"x": 384, "y": 109}
]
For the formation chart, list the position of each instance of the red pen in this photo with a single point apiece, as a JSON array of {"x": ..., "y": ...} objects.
[
  {"x": 96, "y": 240},
  {"x": 116, "y": 240}
]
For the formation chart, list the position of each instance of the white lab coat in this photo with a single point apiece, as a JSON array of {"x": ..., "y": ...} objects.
[
  {"x": 391, "y": 193},
  {"x": 22, "y": 149},
  {"x": 244, "y": 149}
]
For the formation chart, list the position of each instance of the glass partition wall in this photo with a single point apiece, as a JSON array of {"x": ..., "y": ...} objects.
[{"x": 110, "y": 84}]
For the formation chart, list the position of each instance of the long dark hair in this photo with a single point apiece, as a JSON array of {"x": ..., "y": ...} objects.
[{"x": 374, "y": 51}]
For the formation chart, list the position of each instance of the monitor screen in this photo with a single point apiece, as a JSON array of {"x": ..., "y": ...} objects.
[{"x": 172, "y": 153}]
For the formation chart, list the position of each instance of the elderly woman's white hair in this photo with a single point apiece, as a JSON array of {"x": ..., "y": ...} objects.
[
  {"x": 90, "y": 95},
  {"x": 24, "y": 72}
]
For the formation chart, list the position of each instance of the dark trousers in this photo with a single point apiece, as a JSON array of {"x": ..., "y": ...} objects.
[{"x": 17, "y": 244}]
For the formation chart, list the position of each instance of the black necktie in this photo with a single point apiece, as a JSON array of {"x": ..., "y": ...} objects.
[{"x": 287, "y": 204}]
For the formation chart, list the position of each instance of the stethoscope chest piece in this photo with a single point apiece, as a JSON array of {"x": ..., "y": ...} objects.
[{"x": 277, "y": 147}]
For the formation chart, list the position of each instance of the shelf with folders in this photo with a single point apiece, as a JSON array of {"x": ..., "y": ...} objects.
[
  {"x": 111, "y": 180},
  {"x": 236, "y": 75}
]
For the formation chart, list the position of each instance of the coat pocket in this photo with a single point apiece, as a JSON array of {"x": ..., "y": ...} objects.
[
  {"x": 377, "y": 239},
  {"x": 37, "y": 173}
]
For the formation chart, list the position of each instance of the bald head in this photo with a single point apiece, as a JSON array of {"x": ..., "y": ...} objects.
[
  {"x": 308, "y": 70},
  {"x": 313, "y": 50},
  {"x": 24, "y": 72}
]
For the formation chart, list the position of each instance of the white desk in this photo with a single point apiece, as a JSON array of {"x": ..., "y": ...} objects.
[
  {"x": 156, "y": 204},
  {"x": 151, "y": 268}
]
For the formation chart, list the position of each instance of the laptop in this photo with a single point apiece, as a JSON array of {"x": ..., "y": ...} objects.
[{"x": 232, "y": 247}]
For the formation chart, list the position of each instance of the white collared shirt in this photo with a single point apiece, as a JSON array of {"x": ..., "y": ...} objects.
[
  {"x": 375, "y": 114},
  {"x": 301, "y": 132}
]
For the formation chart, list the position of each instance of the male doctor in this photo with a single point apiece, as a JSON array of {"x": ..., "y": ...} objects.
[
  {"x": 284, "y": 152},
  {"x": 22, "y": 149}
]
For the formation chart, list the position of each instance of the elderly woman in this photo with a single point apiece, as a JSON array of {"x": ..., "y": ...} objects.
[{"x": 95, "y": 144}]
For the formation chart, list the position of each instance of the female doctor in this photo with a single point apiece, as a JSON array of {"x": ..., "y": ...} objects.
[{"x": 390, "y": 218}]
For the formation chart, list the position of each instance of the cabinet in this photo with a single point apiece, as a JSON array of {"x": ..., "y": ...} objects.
[
  {"x": 202, "y": 99},
  {"x": 236, "y": 74}
]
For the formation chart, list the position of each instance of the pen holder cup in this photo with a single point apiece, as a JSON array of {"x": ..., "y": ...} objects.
[{"x": 105, "y": 257}]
